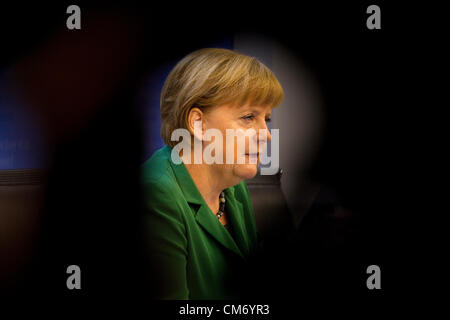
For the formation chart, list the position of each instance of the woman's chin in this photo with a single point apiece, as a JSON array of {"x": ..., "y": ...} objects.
[{"x": 246, "y": 171}]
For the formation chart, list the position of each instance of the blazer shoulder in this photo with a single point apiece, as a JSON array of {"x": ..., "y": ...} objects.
[
  {"x": 161, "y": 191},
  {"x": 155, "y": 167}
]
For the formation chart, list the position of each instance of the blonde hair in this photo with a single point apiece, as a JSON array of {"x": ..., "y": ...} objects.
[{"x": 212, "y": 76}]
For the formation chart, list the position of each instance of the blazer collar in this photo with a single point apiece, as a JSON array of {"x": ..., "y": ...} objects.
[{"x": 204, "y": 215}]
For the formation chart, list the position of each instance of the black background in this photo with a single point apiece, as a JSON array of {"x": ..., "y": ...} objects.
[{"x": 92, "y": 205}]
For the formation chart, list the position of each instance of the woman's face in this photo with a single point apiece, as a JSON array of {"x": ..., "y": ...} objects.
[{"x": 245, "y": 159}]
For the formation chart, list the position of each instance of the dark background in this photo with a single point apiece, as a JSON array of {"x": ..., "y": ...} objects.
[{"x": 84, "y": 86}]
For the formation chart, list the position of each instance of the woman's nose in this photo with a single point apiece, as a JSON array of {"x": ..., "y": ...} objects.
[
  {"x": 269, "y": 136},
  {"x": 264, "y": 135}
]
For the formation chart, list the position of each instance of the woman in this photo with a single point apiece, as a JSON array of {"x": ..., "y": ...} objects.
[{"x": 199, "y": 218}]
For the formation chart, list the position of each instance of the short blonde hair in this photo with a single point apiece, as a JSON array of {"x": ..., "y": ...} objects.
[{"x": 212, "y": 76}]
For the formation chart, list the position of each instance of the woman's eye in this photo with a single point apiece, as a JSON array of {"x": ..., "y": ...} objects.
[
  {"x": 248, "y": 117},
  {"x": 268, "y": 120}
]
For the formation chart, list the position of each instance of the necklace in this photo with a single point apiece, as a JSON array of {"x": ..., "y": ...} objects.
[{"x": 221, "y": 205}]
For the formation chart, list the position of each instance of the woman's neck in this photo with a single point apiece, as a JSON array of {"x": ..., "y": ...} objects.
[{"x": 207, "y": 182}]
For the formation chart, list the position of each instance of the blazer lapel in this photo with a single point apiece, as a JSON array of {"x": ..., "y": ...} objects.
[
  {"x": 215, "y": 229},
  {"x": 235, "y": 211},
  {"x": 204, "y": 216}
]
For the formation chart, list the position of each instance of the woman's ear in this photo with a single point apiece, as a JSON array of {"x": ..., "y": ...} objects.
[{"x": 196, "y": 123}]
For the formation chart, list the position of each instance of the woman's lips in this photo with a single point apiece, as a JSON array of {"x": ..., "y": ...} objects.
[{"x": 252, "y": 156}]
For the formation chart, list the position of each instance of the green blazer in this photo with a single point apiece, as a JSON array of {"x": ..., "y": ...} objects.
[{"x": 192, "y": 254}]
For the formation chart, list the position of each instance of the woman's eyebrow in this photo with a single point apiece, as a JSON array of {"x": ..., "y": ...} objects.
[
  {"x": 258, "y": 112},
  {"x": 255, "y": 111}
]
